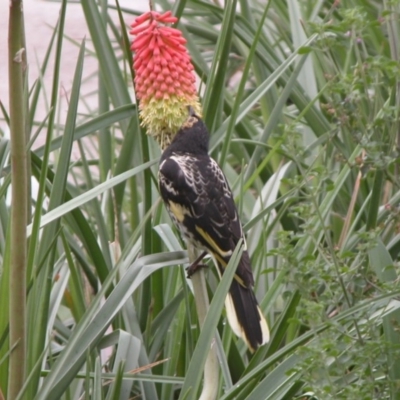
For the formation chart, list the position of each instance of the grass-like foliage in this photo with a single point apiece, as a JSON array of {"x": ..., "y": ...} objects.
[{"x": 302, "y": 102}]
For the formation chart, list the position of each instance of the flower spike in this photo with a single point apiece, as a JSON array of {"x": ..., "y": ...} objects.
[{"x": 165, "y": 83}]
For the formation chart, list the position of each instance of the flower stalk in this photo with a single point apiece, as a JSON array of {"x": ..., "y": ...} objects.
[
  {"x": 19, "y": 215},
  {"x": 165, "y": 88}
]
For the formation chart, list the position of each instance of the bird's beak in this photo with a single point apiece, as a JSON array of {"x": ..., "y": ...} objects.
[{"x": 191, "y": 111}]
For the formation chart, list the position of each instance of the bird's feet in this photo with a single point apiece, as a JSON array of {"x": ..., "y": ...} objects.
[
  {"x": 195, "y": 266},
  {"x": 192, "y": 269}
]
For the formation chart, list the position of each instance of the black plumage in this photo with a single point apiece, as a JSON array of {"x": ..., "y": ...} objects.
[{"x": 200, "y": 202}]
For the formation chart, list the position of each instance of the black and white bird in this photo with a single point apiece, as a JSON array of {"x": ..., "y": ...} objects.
[{"x": 200, "y": 202}]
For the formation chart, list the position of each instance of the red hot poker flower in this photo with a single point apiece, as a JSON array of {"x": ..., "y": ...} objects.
[{"x": 165, "y": 80}]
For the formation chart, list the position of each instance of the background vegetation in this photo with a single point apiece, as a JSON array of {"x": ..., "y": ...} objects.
[{"x": 302, "y": 100}]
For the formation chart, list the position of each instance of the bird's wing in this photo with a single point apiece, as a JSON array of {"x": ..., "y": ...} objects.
[{"x": 200, "y": 194}]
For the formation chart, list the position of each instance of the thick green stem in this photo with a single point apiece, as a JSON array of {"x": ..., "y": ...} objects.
[
  {"x": 19, "y": 203},
  {"x": 211, "y": 367}
]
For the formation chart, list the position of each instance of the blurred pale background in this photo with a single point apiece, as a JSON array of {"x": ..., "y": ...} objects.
[{"x": 40, "y": 18}]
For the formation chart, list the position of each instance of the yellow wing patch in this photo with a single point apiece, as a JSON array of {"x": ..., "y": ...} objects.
[
  {"x": 178, "y": 210},
  {"x": 218, "y": 253},
  {"x": 212, "y": 243}
]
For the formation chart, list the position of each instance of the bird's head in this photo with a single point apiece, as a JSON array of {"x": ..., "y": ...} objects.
[{"x": 192, "y": 137}]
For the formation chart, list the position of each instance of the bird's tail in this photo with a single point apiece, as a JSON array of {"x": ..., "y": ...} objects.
[{"x": 245, "y": 316}]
